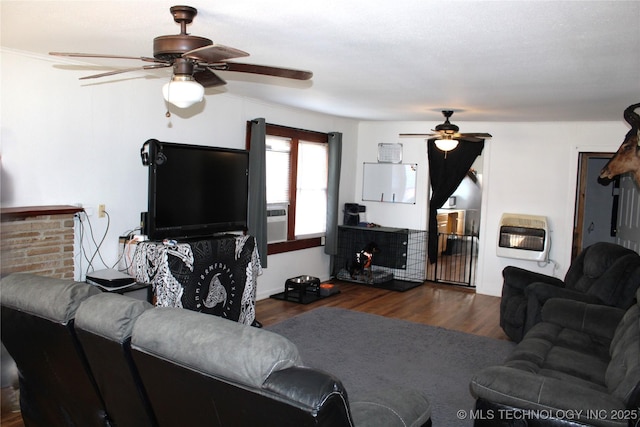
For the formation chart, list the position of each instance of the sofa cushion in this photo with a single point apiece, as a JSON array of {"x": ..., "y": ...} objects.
[
  {"x": 213, "y": 345},
  {"x": 576, "y": 364},
  {"x": 110, "y": 315},
  {"x": 390, "y": 407},
  {"x": 544, "y": 357},
  {"x": 570, "y": 338},
  {"x": 53, "y": 299},
  {"x": 597, "y": 322},
  {"x": 519, "y": 389},
  {"x": 623, "y": 373}
]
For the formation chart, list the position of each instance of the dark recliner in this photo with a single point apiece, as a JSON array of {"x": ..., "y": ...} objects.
[
  {"x": 603, "y": 273},
  {"x": 56, "y": 386},
  {"x": 104, "y": 323}
]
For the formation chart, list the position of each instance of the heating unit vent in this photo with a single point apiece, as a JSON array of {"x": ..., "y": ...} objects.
[{"x": 523, "y": 237}]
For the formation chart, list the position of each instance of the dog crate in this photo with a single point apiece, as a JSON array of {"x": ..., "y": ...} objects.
[
  {"x": 401, "y": 256},
  {"x": 523, "y": 237}
]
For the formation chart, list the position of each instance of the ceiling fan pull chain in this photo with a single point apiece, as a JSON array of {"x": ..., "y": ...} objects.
[{"x": 168, "y": 113}]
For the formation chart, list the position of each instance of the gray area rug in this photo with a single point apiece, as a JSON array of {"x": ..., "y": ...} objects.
[{"x": 368, "y": 351}]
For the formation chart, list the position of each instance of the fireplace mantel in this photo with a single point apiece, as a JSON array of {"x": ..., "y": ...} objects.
[{"x": 22, "y": 212}]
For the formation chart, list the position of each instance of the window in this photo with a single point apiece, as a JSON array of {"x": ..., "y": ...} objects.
[
  {"x": 311, "y": 189},
  {"x": 297, "y": 170}
]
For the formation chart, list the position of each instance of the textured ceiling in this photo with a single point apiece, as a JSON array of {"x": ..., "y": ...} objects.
[{"x": 379, "y": 59}]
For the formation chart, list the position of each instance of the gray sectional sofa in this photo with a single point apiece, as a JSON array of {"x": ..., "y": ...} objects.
[
  {"x": 87, "y": 358},
  {"x": 579, "y": 366}
]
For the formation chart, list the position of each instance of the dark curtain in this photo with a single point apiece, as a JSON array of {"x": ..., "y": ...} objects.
[
  {"x": 257, "y": 217},
  {"x": 333, "y": 187},
  {"x": 446, "y": 174}
]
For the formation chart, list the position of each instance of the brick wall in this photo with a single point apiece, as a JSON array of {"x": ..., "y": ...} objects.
[{"x": 38, "y": 240}]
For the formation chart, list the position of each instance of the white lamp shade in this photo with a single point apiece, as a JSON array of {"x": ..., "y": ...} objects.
[
  {"x": 446, "y": 144},
  {"x": 182, "y": 91}
]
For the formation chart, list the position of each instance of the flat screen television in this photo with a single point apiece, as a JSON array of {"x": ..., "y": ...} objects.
[{"x": 195, "y": 191}]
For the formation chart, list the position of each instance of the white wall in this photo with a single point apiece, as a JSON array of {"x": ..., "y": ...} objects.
[
  {"x": 527, "y": 168},
  {"x": 65, "y": 141}
]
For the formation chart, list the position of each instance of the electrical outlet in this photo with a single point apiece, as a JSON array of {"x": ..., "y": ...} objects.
[{"x": 101, "y": 209}]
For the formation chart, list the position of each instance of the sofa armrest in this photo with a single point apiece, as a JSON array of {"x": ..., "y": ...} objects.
[
  {"x": 307, "y": 386},
  {"x": 530, "y": 391},
  {"x": 520, "y": 278},
  {"x": 324, "y": 395},
  {"x": 592, "y": 319},
  {"x": 314, "y": 390},
  {"x": 542, "y": 292},
  {"x": 538, "y": 293}
]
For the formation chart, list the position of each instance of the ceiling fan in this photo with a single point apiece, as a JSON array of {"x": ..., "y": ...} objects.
[
  {"x": 447, "y": 136},
  {"x": 195, "y": 61}
]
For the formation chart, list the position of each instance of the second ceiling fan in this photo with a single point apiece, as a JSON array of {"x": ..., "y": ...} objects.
[{"x": 447, "y": 134}]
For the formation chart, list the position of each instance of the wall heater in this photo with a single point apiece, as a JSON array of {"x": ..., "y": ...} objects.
[{"x": 523, "y": 237}]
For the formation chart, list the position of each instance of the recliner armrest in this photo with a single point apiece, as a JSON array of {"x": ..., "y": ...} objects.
[
  {"x": 517, "y": 277},
  {"x": 307, "y": 386},
  {"x": 316, "y": 391},
  {"x": 325, "y": 396},
  {"x": 593, "y": 319}
]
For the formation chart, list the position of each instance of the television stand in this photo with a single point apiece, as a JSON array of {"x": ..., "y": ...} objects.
[{"x": 214, "y": 275}]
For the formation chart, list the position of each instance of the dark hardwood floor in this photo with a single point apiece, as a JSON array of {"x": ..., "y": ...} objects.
[{"x": 447, "y": 306}]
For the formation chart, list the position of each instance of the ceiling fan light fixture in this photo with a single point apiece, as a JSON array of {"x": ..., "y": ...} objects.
[
  {"x": 446, "y": 144},
  {"x": 182, "y": 91}
]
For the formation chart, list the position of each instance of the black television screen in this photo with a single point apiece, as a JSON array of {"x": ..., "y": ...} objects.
[{"x": 196, "y": 191}]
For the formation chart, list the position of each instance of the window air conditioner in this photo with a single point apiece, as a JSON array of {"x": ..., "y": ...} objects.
[
  {"x": 277, "y": 221},
  {"x": 523, "y": 237}
]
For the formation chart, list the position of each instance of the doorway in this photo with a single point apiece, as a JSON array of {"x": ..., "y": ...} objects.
[
  {"x": 458, "y": 232},
  {"x": 596, "y": 203}
]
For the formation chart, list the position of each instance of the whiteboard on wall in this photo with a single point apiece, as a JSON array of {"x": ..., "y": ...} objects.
[{"x": 388, "y": 182}]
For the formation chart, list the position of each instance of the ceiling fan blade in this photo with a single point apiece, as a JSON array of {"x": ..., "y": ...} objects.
[
  {"x": 97, "y": 55},
  {"x": 470, "y": 138},
  {"x": 288, "y": 73},
  {"x": 214, "y": 53},
  {"x": 429, "y": 135},
  {"x": 418, "y": 135},
  {"x": 477, "y": 135},
  {"x": 125, "y": 70},
  {"x": 208, "y": 78}
]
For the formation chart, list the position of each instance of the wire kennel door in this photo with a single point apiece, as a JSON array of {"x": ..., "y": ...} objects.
[{"x": 457, "y": 259}]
